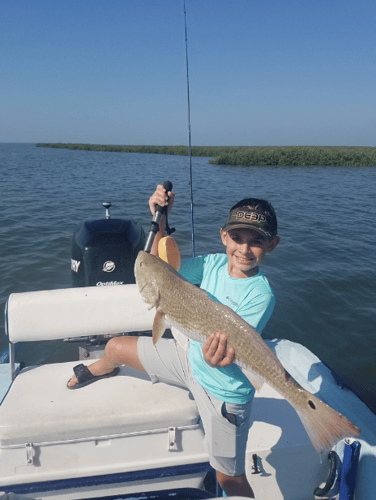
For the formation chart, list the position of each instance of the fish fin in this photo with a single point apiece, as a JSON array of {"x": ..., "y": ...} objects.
[
  {"x": 254, "y": 378},
  {"x": 325, "y": 426},
  {"x": 158, "y": 326},
  {"x": 180, "y": 337}
]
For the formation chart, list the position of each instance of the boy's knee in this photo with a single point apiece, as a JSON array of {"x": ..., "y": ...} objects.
[
  {"x": 119, "y": 348},
  {"x": 113, "y": 346},
  {"x": 123, "y": 351}
]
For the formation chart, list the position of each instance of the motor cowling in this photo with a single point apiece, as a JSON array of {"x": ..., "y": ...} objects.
[{"x": 104, "y": 252}]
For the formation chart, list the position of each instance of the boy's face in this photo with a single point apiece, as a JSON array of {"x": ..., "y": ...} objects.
[{"x": 246, "y": 249}]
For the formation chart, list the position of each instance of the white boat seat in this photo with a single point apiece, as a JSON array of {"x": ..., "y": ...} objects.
[
  {"x": 110, "y": 406},
  {"x": 117, "y": 405}
]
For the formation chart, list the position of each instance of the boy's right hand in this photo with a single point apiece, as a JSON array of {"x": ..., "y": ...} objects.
[
  {"x": 215, "y": 350},
  {"x": 161, "y": 198}
]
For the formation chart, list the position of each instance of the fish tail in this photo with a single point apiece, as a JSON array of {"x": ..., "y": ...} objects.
[{"x": 325, "y": 426}]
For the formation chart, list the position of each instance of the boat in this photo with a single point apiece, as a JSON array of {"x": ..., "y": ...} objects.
[{"x": 124, "y": 437}]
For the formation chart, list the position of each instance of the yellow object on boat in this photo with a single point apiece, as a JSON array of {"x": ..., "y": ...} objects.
[{"x": 168, "y": 251}]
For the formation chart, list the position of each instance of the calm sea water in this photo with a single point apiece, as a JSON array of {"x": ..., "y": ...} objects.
[{"x": 323, "y": 271}]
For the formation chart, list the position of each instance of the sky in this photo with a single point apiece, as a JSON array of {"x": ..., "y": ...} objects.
[{"x": 270, "y": 72}]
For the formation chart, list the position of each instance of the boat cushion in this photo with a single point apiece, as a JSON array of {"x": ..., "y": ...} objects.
[
  {"x": 126, "y": 403},
  {"x": 75, "y": 312}
]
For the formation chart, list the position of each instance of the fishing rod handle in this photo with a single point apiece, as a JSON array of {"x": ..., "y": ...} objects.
[
  {"x": 154, "y": 228},
  {"x": 168, "y": 187}
]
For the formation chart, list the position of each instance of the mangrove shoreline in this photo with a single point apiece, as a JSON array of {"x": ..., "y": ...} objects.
[{"x": 345, "y": 156}]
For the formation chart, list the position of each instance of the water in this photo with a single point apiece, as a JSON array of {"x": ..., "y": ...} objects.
[{"x": 323, "y": 271}]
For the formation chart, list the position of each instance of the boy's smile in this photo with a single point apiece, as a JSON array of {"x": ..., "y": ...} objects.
[{"x": 246, "y": 249}]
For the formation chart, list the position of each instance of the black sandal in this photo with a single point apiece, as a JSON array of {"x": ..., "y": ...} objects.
[{"x": 85, "y": 377}]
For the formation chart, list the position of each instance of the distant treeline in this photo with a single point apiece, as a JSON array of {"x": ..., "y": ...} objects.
[{"x": 347, "y": 156}]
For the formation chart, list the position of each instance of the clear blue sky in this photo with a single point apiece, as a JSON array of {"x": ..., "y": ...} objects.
[{"x": 262, "y": 72}]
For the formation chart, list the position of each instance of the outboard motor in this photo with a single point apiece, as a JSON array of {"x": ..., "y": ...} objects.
[{"x": 104, "y": 251}]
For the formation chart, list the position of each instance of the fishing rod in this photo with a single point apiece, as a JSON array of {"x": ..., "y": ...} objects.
[
  {"x": 167, "y": 246},
  {"x": 189, "y": 134}
]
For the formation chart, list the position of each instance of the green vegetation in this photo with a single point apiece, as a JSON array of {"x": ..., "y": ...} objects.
[
  {"x": 346, "y": 156},
  {"x": 299, "y": 156},
  {"x": 163, "y": 150}
]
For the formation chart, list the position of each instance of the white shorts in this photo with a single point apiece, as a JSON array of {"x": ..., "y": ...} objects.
[{"x": 226, "y": 425}]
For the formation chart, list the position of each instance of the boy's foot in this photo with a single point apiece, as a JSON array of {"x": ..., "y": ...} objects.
[{"x": 83, "y": 376}]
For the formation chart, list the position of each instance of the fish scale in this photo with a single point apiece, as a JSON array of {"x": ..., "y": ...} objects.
[{"x": 196, "y": 315}]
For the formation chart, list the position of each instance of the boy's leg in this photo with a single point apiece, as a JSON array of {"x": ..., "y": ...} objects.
[
  {"x": 119, "y": 351},
  {"x": 235, "y": 485},
  {"x": 165, "y": 362},
  {"x": 226, "y": 431}
]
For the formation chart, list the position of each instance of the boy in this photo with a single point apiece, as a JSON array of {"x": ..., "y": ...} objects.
[{"x": 222, "y": 392}]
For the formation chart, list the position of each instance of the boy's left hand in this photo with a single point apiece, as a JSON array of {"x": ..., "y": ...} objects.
[{"x": 215, "y": 350}]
